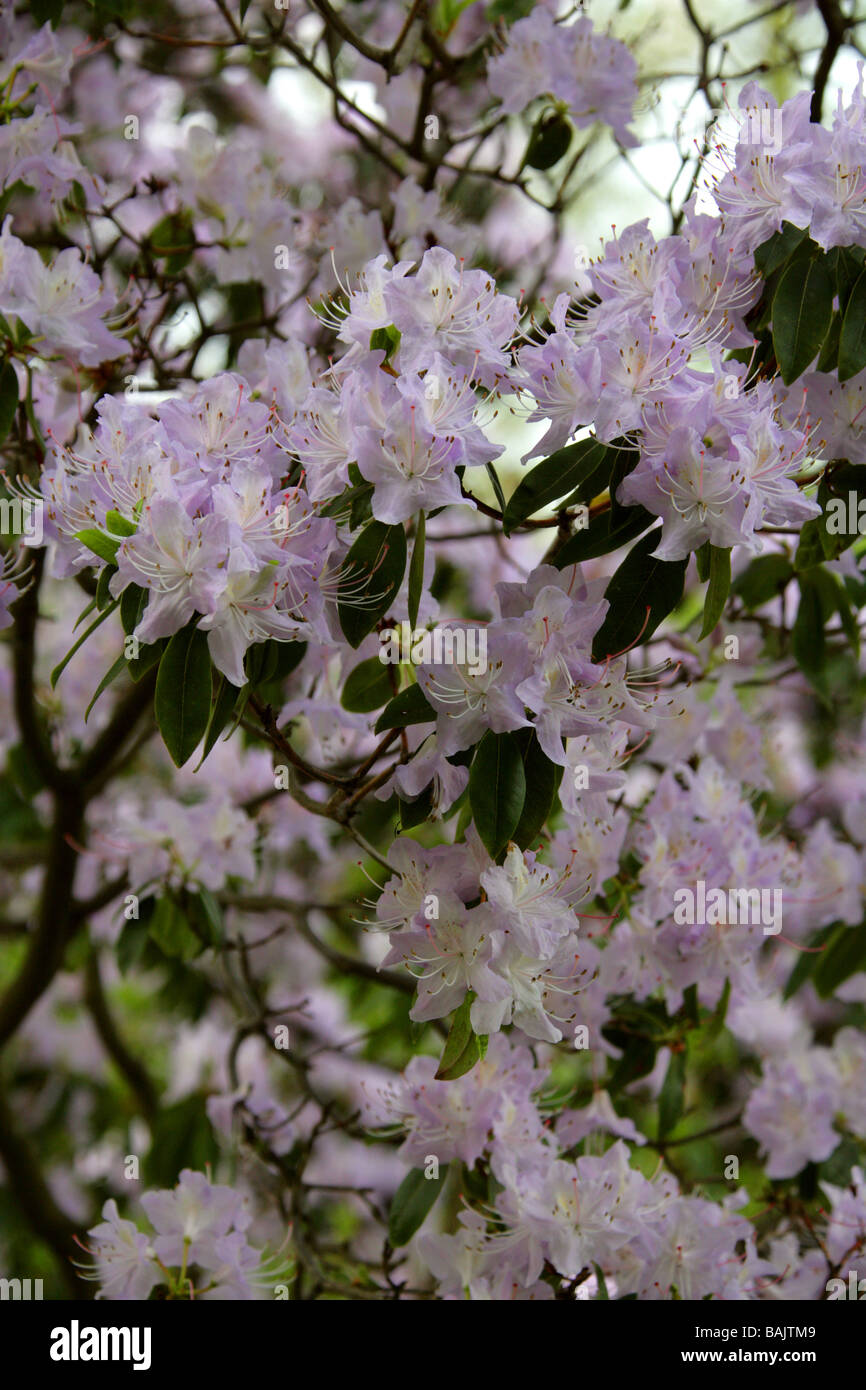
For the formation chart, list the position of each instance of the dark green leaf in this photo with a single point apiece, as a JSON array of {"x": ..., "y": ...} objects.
[
  {"x": 548, "y": 142},
  {"x": 172, "y": 932},
  {"x": 605, "y": 532},
  {"x": 182, "y": 1136},
  {"x": 416, "y": 570},
  {"x": 370, "y": 578},
  {"x": 555, "y": 476},
  {"x": 845, "y": 955},
  {"x": 415, "y": 812},
  {"x": 773, "y": 254},
  {"x": 223, "y": 708},
  {"x": 46, "y": 11},
  {"x": 110, "y": 675},
  {"x": 182, "y": 704},
  {"x": 716, "y": 1021},
  {"x": 852, "y": 338},
  {"x": 702, "y": 561},
  {"x": 717, "y": 589},
  {"x": 409, "y": 706},
  {"x": 133, "y": 602},
  {"x": 641, "y": 593},
  {"x": 764, "y": 579},
  {"x": 411, "y": 1204},
  {"x": 461, "y": 1050},
  {"x": 807, "y": 636},
  {"x": 103, "y": 593},
  {"x": 807, "y": 960},
  {"x": 638, "y": 1060},
  {"x": 810, "y": 547},
  {"x": 542, "y": 781},
  {"x": 8, "y": 399},
  {"x": 802, "y": 307},
  {"x": 100, "y": 618},
  {"x": 672, "y": 1093},
  {"x": 367, "y": 687},
  {"x": 497, "y": 790},
  {"x": 173, "y": 237}
]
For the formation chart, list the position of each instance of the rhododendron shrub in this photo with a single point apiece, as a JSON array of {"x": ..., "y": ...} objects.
[{"x": 433, "y": 806}]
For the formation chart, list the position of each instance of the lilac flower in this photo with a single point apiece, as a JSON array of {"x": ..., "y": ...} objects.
[
  {"x": 457, "y": 312},
  {"x": 791, "y": 1112},
  {"x": 593, "y": 74},
  {"x": 62, "y": 303},
  {"x": 179, "y": 560},
  {"x": 191, "y": 1218},
  {"x": 126, "y": 1262}
]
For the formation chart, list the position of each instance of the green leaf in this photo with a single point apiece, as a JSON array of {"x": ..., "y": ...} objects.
[
  {"x": 105, "y": 547},
  {"x": 416, "y": 569},
  {"x": 497, "y": 790},
  {"x": 846, "y": 264},
  {"x": 672, "y": 1094},
  {"x": 829, "y": 358},
  {"x": 638, "y": 1059},
  {"x": 542, "y": 782},
  {"x": 118, "y": 525},
  {"x": 549, "y": 142},
  {"x": 133, "y": 602},
  {"x": 223, "y": 708},
  {"x": 717, "y": 589},
  {"x": 182, "y": 703},
  {"x": 148, "y": 655},
  {"x": 716, "y": 1021},
  {"x": 461, "y": 1050},
  {"x": 810, "y": 547},
  {"x": 844, "y": 956},
  {"x": 171, "y": 931},
  {"x": 8, "y": 399},
  {"x": 134, "y": 944},
  {"x": 852, "y": 339},
  {"x": 110, "y": 675},
  {"x": 641, "y": 594},
  {"x": 371, "y": 575},
  {"x": 605, "y": 532},
  {"x": 411, "y": 1204},
  {"x": 103, "y": 592},
  {"x": 24, "y": 773},
  {"x": 100, "y": 618},
  {"x": 204, "y": 916},
  {"x": 173, "y": 237},
  {"x": 46, "y": 11},
  {"x": 496, "y": 485},
  {"x": 808, "y": 960},
  {"x": 764, "y": 579},
  {"x": 385, "y": 340},
  {"x": 415, "y": 812},
  {"x": 807, "y": 636},
  {"x": 555, "y": 476},
  {"x": 367, "y": 687},
  {"x": 409, "y": 706},
  {"x": 181, "y": 1136},
  {"x": 773, "y": 254},
  {"x": 802, "y": 308},
  {"x": 702, "y": 561}
]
